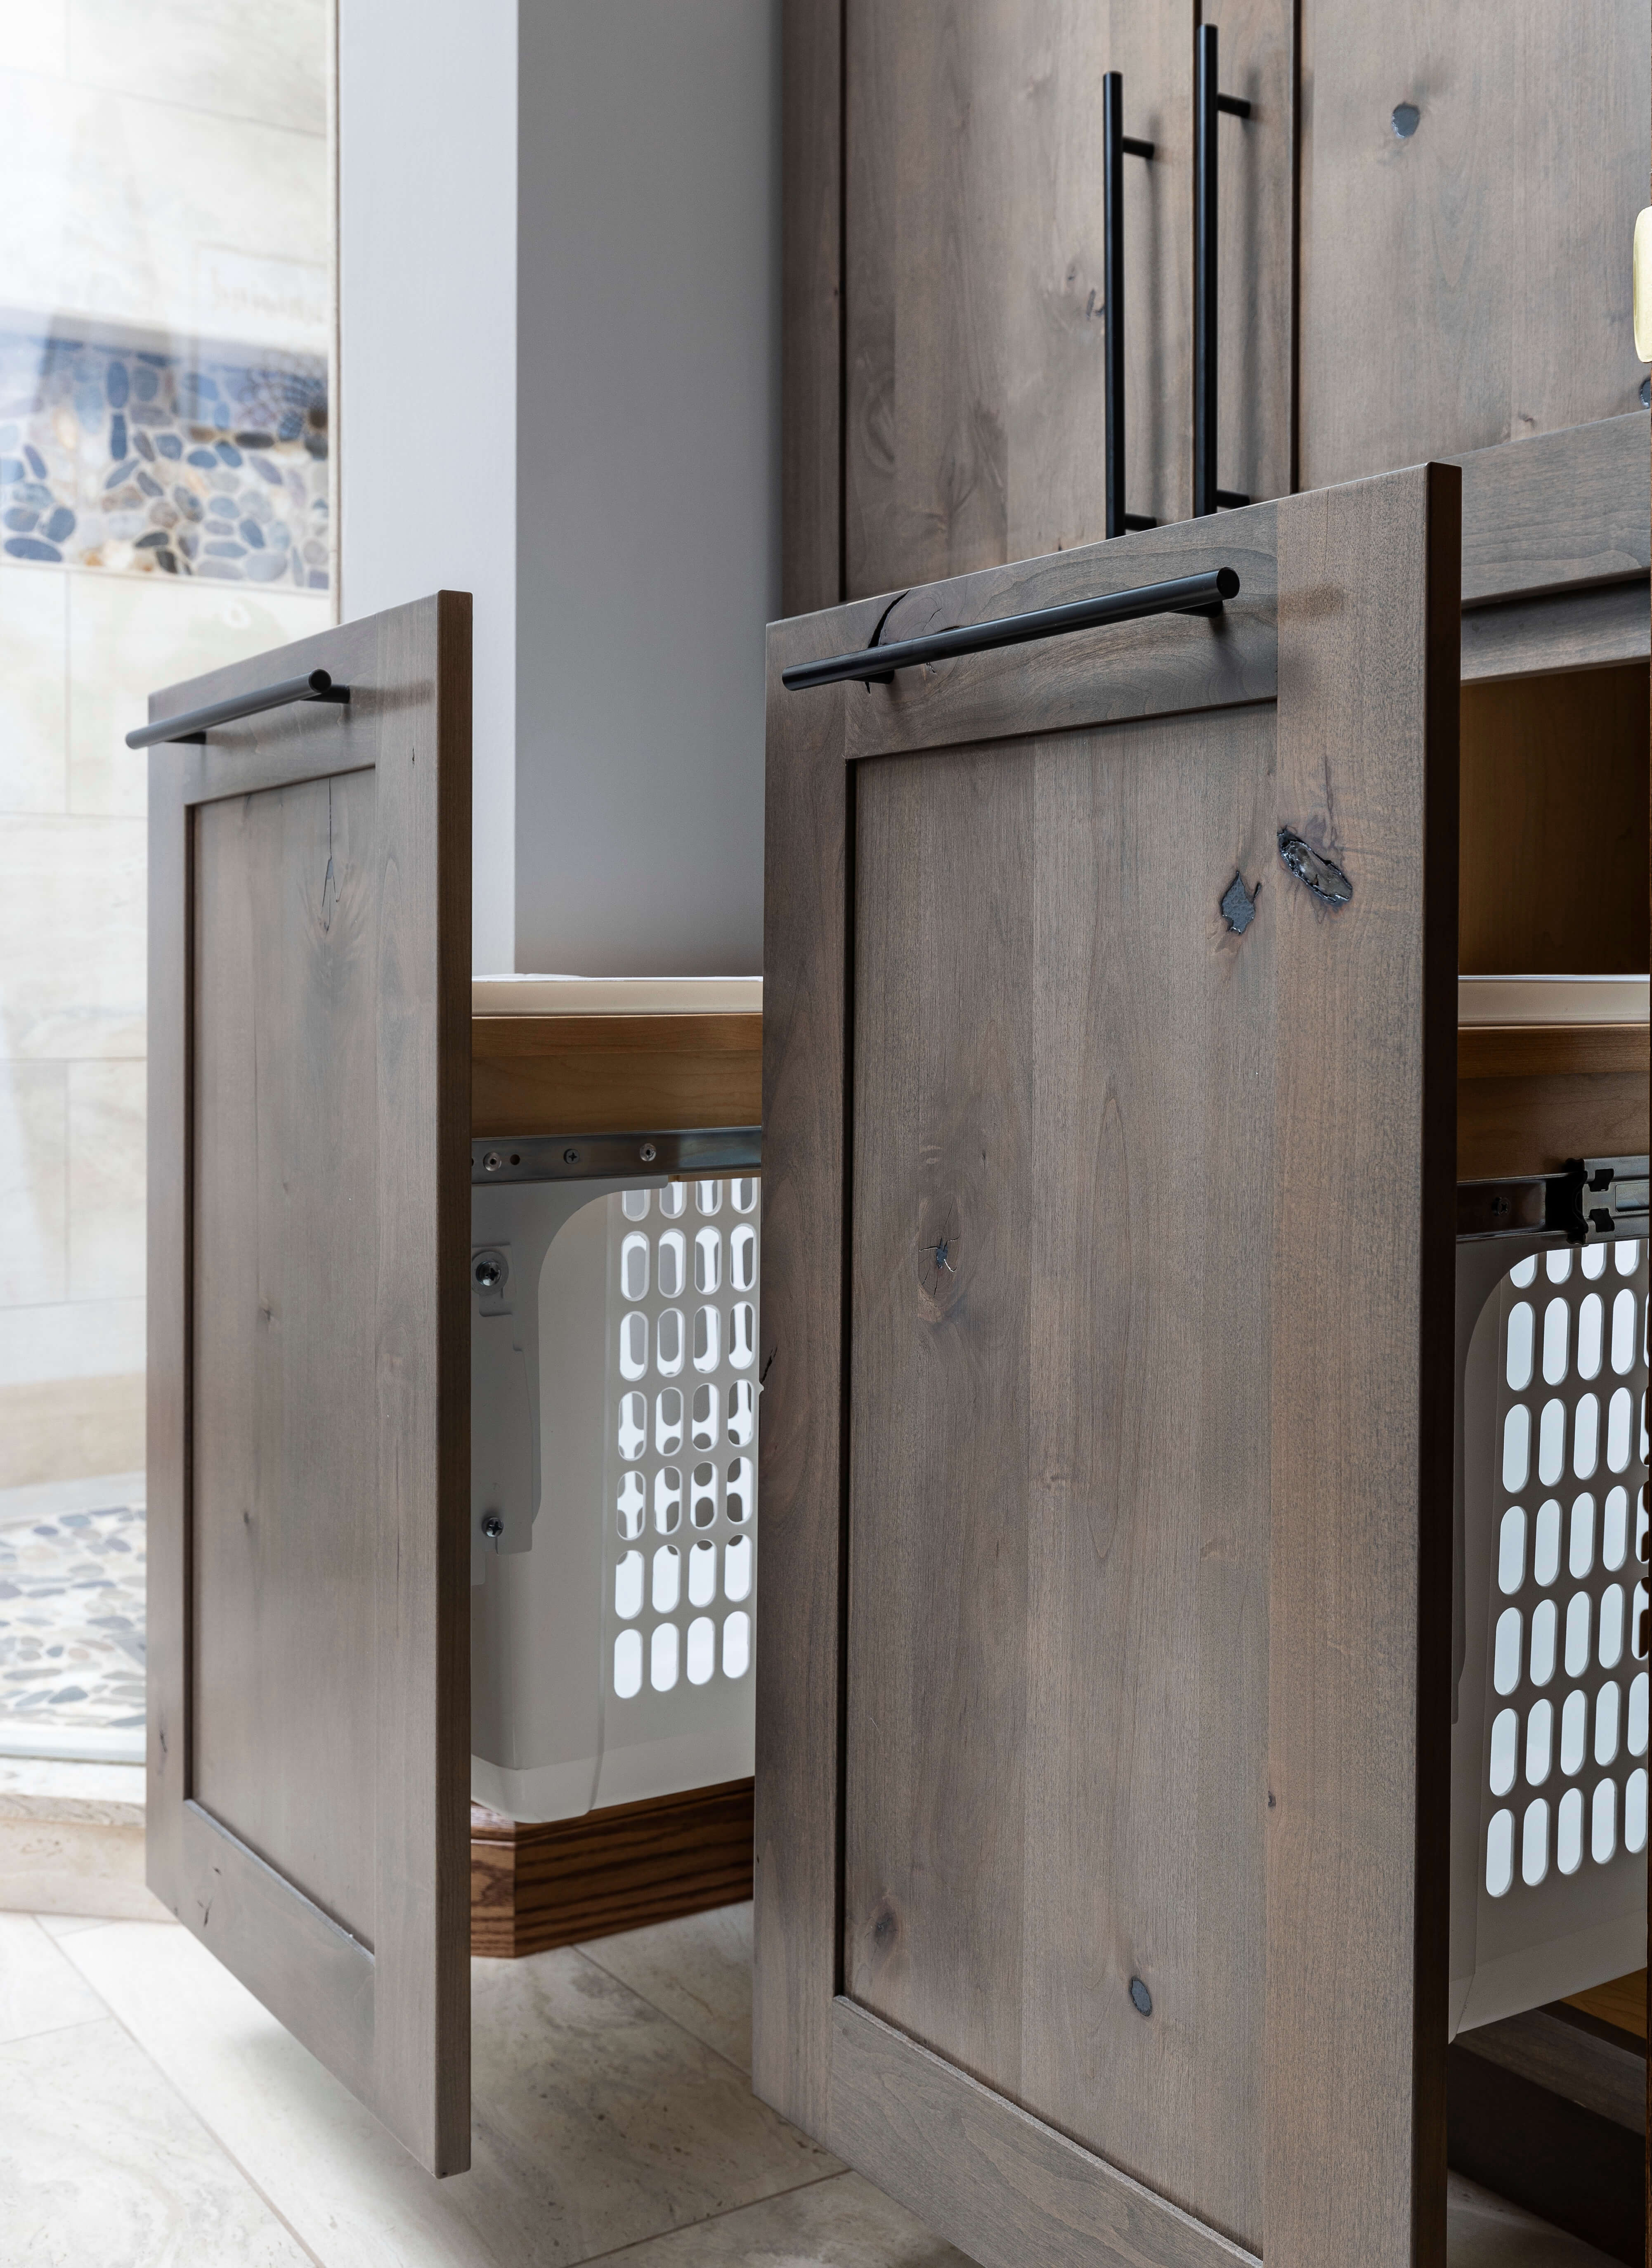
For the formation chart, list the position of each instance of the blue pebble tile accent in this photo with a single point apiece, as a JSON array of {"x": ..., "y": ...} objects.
[
  {"x": 35, "y": 492},
  {"x": 317, "y": 582},
  {"x": 37, "y": 463},
  {"x": 12, "y": 468},
  {"x": 30, "y": 546},
  {"x": 203, "y": 459},
  {"x": 188, "y": 543},
  {"x": 187, "y": 502},
  {"x": 116, "y": 386},
  {"x": 146, "y": 381},
  {"x": 271, "y": 472},
  {"x": 60, "y": 526},
  {"x": 149, "y": 485},
  {"x": 169, "y": 446},
  {"x": 226, "y": 551},
  {"x": 117, "y": 435},
  {"x": 252, "y": 534},
  {"x": 9, "y": 437},
  {"x": 153, "y": 542},
  {"x": 228, "y": 451},
  {"x": 265, "y": 566},
  {"x": 20, "y": 519},
  {"x": 144, "y": 446}
]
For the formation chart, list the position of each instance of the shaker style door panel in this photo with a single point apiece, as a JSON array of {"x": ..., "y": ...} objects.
[
  {"x": 309, "y": 1374},
  {"x": 1108, "y": 1280},
  {"x": 1470, "y": 174}
]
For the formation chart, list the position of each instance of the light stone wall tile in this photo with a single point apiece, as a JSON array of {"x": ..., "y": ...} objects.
[
  {"x": 267, "y": 65},
  {"x": 34, "y": 35},
  {"x": 34, "y": 1183},
  {"x": 102, "y": 2166},
  {"x": 122, "y": 210},
  {"x": 697, "y": 1969},
  {"x": 52, "y": 1501},
  {"x": 130, "y": 636},
  {"x": 83, "y": 1338},
  {"x": 39, "y": 1992},
  {"x": 107, "y": 1163},
  {"x": 33, "y": 686},
  {"x": 72, "y": 927}
]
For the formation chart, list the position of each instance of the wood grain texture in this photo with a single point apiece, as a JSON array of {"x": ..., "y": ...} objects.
[
  {"x": 614, "y": 1074},
  {"x": 1555, "y": 824},
  {"x": 974, "y": 279},
  {"x": 1622, "y": 2003},
  {"x": 1587, "y": 628},
  {"x": 559, "y": 1881},
  {"x": 1057, "y": 1676},
  {"x": 1256, "y": 287},
  {"x": 1549, "y": 1050},
  {"x": 1034, "y": 2195},
  {"x": 309, "y": 1409},
  {"x": 1558, "y": 510},
  {"x": 1360, "y": 1589},
  {"x": 812, "y": 305},
  {"x": 800, "y": 1475},
  {"x": 948, "y": 1009},
  {"x": 1160, "y": 665},
  {"x": 1533, "y": 1124},
  {"x": 1468, "y": 284}
]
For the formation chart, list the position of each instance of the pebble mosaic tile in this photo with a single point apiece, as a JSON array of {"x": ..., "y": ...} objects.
[
  {"x": 71, "y": 1619},
  {"x": 149, "y": 463}
]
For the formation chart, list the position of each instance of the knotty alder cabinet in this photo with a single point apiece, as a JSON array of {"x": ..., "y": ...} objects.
[
  {"x": 1423, "y": 238},
  {"x": 1105, "y": 1676}
]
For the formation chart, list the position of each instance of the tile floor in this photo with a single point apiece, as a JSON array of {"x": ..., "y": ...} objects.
[{"x": 151, "y": 2113}]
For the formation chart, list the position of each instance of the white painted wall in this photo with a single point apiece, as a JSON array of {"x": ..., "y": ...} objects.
[
  {"x": 427, "y": 380},
  {"x": 648, "y": 422},
  {"x": 560, "y": 390}
]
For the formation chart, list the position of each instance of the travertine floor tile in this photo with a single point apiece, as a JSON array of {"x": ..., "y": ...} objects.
[
  {"x": 102, "y": 2166},
  {"x": 39, "y": 1990},
  {"x": 598, "y": 2121},
  {"x": 698, "y": 1970},
  {"x": 841, "y": 2222}
]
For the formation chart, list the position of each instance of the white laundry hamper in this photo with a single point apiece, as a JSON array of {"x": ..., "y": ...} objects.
[
  {"x": 613, "y": 1468},
  {"x": 1550, "y": 1726}
]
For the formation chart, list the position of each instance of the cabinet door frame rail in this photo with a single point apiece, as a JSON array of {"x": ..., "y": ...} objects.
[{"x": 1360, "y": 653}]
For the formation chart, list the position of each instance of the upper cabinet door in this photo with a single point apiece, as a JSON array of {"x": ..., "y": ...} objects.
[
  {"x": 1470, "y": 174},
  {"x": 309, "y": 1376},
  {"x": 960, "y": 212},
  {"x": 1107, "y": 1299}
]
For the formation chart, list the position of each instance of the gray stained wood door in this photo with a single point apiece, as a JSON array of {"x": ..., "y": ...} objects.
[
  {"x": 309, "y": 1377},
  {"x": 1103, "y": 1678}
]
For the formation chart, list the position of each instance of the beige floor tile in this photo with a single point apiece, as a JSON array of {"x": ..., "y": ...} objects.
[
  {"x": 74, "y": 1866},
  {"x": 72, "y": 1925},
  {"x": 698, "y": 1970},
  {"x": 39, "y": 1990},
  {"x": 597, "y": 2120},
  {"x": 1484, "y": 2231},
  {"x": 102, "y": 2166},
  {"x": 841, "y": 2222}
]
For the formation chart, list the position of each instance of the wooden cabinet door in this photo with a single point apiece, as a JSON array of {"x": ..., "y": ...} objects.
[
  {"x": 1107, "y": 1297},
  {"x": 309, "y": 1380},
  {"x": 1470, "y": 174}
]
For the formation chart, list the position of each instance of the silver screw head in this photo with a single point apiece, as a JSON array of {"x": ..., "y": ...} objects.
[
  {"x": 492, "y": 1161},
  {"x": 489, "y": 1268},
  {"x": 492, "y": 1527},
  {"x": 648, "y": 1153}
]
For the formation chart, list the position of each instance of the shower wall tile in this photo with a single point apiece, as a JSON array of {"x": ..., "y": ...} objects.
[
  {"x": 35, "y": 36},
  {"x": 34, "y": 1181},
  {"x": 34, "y": 691},
  {"x": 72, "y": 977},
  {"x": 130, "y": 636},
  {"x": 70, "y": 1339},
  {"x": 272, "y": 69},
  {"x": 105, "y": 1180}
]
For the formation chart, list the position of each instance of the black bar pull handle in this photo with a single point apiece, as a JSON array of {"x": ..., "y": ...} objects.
[
  {"x": 1187, "y": 594},
  {"x": 1208, "y": 104},
  {"x": 1116, "y": 146},
  {"x": 195, "y": 724}
]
